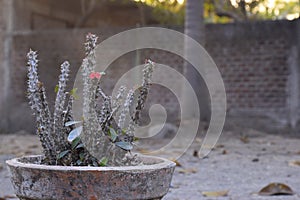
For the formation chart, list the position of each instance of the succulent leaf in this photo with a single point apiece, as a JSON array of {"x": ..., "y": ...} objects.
[{"x": 74, "y": 133}]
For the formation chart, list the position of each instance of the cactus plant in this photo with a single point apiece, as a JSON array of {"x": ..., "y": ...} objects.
[{"x": 107, "y": 128}]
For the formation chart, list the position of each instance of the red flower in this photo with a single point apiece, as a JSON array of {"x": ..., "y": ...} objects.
[{"x": 94, "y": 75}]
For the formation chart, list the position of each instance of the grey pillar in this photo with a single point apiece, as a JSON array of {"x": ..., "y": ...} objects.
[{"x": 7, "y": 12}]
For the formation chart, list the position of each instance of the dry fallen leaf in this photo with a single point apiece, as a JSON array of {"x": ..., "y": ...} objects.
[
  {"x": 188, "y": 171},
  {"x": 224, "y": 152},
  {"x": 28, "y": 152},
  {"x": 294, "y": 163},
  {"x": 276, "y": 189},
  {"x": 219, "y": 146},
  {"x": 244, "y": 139},
  {"x": 178, "y": 164},
  {"x": 208, "y": 146},
  {"x": 143, "y": 151},
  {"x": 199, "y": 140},
  {"x": 7, "y": 197},
  {"x": 33, "y": 146},
  {"x": 221, "y": 193},
  {"x": 195, "y": 153}
]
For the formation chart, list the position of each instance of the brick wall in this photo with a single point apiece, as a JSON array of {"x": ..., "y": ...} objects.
[{"x": 253, "y": 59}]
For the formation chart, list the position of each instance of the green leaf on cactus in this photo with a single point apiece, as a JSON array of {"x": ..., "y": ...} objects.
[
  {"x": 73, "y": 93},
  {"x": 62, "y": 154},
  {"x": 70, "y": 123},
  {"x": 56, "y": 88},
  {"x": 80, "y": 146},
  {"x": 103, "y": 162},
  {"x": 112, "y": 134},
  {"x": 75, "y": 142},
  {"x": 124, "y": 145},
  {"x": 81, "y": 156},
  {"x": 74, "y": 133}
]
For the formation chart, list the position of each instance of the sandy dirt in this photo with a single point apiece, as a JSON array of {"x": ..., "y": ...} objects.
[{"x": 239, "y": 166}]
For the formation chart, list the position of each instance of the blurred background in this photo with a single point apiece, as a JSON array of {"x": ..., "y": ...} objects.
[{"x": 255, "y": 44}]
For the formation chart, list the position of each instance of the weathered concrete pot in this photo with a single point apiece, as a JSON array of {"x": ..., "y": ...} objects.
[{"x": 33, "y": 181}]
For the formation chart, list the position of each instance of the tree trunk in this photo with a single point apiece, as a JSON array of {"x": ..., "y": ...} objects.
[{"x": 194, "y": 28}]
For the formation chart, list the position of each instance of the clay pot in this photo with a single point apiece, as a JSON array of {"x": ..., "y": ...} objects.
[{"x": 33, "y": 181}]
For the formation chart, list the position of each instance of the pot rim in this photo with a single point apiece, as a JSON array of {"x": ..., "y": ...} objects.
[{"x": 162, "y": 163}]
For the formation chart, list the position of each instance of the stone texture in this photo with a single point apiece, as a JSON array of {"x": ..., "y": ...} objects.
[{"x": 38, "y": 182}]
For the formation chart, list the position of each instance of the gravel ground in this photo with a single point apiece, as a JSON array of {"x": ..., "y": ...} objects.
[
  {"x": 241, "y": 166},
  {"x": 238, "y": 165}
]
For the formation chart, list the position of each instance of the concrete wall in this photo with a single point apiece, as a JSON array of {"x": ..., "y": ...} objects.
[
  {"x": 258, "y": 62},
  {"x": 56, "y": 46}
]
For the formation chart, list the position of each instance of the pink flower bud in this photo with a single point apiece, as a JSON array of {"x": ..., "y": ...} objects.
[{"x": 94, "y": 75}]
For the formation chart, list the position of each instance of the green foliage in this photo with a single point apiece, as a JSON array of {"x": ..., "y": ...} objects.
[
  {"x": 74, "y": 134},
  {"x": 75, "y": 143},
  {"x": 171, "y": 12},
  {"x": 281, "y": 10},
  {"x": 103, "y": 162},
  {"x": 73, "y": 93},
  {"x": 56, "y": 89},
  {"x": 220, "y": 11},
  {"x": 62, "y": 154},
  {"x": 70, "y": 123},
  {"x": 112, "y": 134},
  {"x": 125, "y": 145}
]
